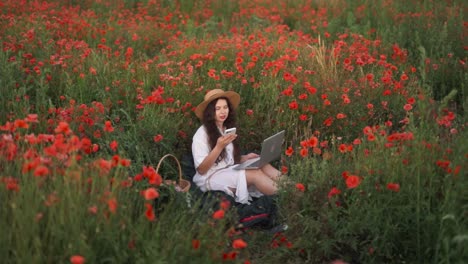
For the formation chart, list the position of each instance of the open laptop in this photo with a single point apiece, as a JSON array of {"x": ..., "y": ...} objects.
[{"x": 271, "y": 150}]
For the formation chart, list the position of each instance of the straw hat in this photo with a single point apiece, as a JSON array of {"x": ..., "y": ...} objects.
[{"x": 233, "y": 97}]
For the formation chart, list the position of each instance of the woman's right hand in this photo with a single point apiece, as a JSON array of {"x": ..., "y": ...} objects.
[{"x": 225, "y": 140}]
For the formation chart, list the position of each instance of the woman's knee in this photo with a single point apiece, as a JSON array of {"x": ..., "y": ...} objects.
[{"x": 252, "y": 176}]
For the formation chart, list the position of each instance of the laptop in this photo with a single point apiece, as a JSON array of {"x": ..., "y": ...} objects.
[{"x": 271, "y": 150}]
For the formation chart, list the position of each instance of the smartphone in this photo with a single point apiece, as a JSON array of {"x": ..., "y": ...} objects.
[{"x": 231, "y": 130}]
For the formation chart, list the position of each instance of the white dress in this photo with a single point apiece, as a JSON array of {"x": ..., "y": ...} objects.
[{"x": 221, "y": 176}]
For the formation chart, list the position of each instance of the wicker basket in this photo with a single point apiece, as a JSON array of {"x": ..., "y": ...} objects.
[{"x": 182, "y": 185}]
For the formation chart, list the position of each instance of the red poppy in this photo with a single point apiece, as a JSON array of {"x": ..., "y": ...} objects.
[
  {"x": 312, "y": 142},
  {"x": 230, "y": 255},
  {"x": 92, "y": 209},
  {"x": 342, "y": 148},
  {"x": 239, "y": 244},
  {"x": 125, "y": 162},
  {"x": 393, "y": 187},
  {"x": 225, "y": 204},
  {"x": 150, "y": 193},
  {"x": 367, "y": 130},
  {"x": 92, "y": 70},
  {"x": 108, "y": 126},
  {"x": 158, "y": 138},
  {"x": 353, "y": 181},
  {"x": 12, "y": 184},
  {"x": 195, "y": 243},
  {"x": 371, "y": 137},
  {"x": 411, "y": 100},
  {"x": 218, "y": 214},
  {"x": 41, "y": 170},
  {"x": 300, "y": 187},
  {"x": 152, "y": 176},
  {"x": 407, "y": 107},
  {"x": 340, "y": 116},
  {"x": 105, "y": 165},
  {"x": 63, "y": 127},
  {"x": 293, "y": 105},
  {"x": 77, "y": 259},
  {"x": 317, "y": 151},
  {"x": 20, "y": 123},
  {"x": 289, "y": 151},
  {"x": 149, "y": 213},
  {"x": 32, "y": 118},
  {"x": 112, "y": 205},
  {"x": 113, "y": 145},
  {"x": 304, "y": 152},
  {"x": 334, "y": 191}
]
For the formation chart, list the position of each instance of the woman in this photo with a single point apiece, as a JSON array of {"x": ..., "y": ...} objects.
[{"x": 215, "y": 153}]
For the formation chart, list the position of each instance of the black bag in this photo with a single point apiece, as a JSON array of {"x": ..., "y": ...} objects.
[{"x": 260, "y": 213}]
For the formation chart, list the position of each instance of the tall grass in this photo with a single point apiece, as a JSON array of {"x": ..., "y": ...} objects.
[{"x": 371, "y": 94}]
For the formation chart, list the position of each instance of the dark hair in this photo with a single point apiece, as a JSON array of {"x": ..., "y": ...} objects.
[{"x": 209, "y": 122}]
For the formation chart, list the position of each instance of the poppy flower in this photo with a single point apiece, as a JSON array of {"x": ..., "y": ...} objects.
[
  {"x": 113, "y": 145},
  {"x": 158, "y": 138},
  {"x": 239, "y": 244},
  {"x": 149, "y": 213},
  {"x": 293, "y": 105},
  {"x": 312, "y": 142},
  {"x": 300, "y": 187},
  {"x": 112, "y": 205},
  {"x": 92, "y": 70},
  {"x": 408, "y": 107},
  {"x": 41, "y": 170},
  {"x": 77, "y": 259},
  {"x": 63, "y": 127},
  {"x": 92, "y": 209},
  {"x": 342, "y": 148},
  {"x": 20, "y": 123},
  {"x": 225, "y": 204},
  {"x": 195, "y": 243},
  {"x": 304, "y": 152},
  {"x": 108, "y": 126},
  {"x": 334, "y": 191},
  {"x": 393, "y": 187},
  {"x": 218, "y": 214},
  {"x": 289, "y": 151},
  {"x": 150, "y": 194},
  {"x": 230, "y": 255},
  {"x": 340, "y": 116},
  {"x": 353, "y": 181}
]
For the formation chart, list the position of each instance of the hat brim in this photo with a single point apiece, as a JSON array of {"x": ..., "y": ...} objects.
[{"x": 233, "y": 97}]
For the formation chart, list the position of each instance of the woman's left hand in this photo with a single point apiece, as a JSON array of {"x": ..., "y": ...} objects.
[{"x": 249, "y": 156}]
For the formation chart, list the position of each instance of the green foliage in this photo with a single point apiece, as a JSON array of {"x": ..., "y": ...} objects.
[{"x": 370, "y": 89}]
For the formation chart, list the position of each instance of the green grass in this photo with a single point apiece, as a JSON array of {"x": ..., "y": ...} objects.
[{"x": 344, "y": 72}]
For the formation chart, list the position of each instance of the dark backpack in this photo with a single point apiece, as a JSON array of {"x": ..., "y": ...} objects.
[{"x": 260, "y": 213}]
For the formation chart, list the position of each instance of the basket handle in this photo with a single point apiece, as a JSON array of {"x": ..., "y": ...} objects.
[{"x": 177, "y": 161}]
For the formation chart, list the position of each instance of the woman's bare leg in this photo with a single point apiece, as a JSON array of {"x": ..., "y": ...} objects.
[
  {"x": 261, "y": 181},
  {"x": 272, "y": 172}
]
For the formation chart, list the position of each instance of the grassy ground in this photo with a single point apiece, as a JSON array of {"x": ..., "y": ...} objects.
[{"x": 372, "y": 95}]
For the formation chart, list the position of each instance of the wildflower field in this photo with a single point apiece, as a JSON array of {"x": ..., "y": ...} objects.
[{"x": 372, "y": 95}]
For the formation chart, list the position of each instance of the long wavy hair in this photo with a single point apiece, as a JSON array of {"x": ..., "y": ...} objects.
[{"x": 212, "y": 130}]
